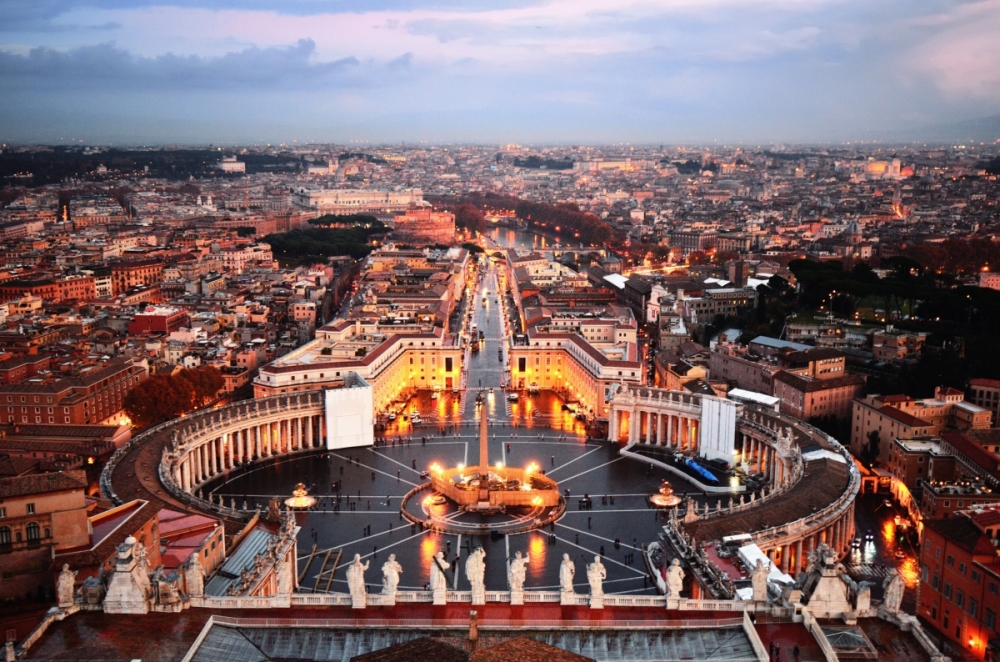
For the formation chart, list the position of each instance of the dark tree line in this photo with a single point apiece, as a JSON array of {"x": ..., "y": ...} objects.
[
  {"x": 164, "y": 397},
  {"x": 317, "y": 244}
]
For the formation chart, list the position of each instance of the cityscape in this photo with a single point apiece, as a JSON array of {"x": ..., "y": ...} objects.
[{"x": 382, "y": 371}]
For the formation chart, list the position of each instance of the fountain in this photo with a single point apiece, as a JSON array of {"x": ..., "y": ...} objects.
[
  {"x": 665, "y": 498},
  {"x": 300, "y": 499},
  {"x": 486, "y": 490}
]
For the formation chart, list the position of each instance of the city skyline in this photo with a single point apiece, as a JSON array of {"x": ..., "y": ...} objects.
[{"x": 558, "y": 72}]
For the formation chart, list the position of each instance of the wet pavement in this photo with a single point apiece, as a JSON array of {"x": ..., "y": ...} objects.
[{"x": 366, "y": 518}]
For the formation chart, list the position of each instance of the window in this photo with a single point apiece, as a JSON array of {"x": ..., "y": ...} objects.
[
  {"x": 32, "y": 531},
  {"x": 947, "y": 590},
  {"x": 961, "y": 568},
  {"x": 4, "y": 535},
  {"x": 973, "y": 607},
  {"x": 989, "y": 618},
  {"x": 959, "y": 598},
  {"x": 992, "y": 587},
  {"x": 30, "y": 508},
  {"x": 950, "y": 560},
  {"x": 975, "y": 576}
]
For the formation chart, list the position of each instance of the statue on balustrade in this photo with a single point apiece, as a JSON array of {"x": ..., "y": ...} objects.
[
  {"x": 439, "y": 581},
  {"x": 391, "y": 570},
  {"x": 475, "y": 572},
  {"x": 517, "y": 572},
  {"x": 893, "y": 586},
  {"x": 596, "y": 574},
  {"x": 566, "y": 573},
  {"x": 356, "y": 582},
  {"x": 65, "y": 587},
  {"x": 675, "y": 579}
]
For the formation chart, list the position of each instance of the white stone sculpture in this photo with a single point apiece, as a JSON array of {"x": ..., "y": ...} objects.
[
  {"x": 65, "y": 587},
  {"x": 194, "y": 577},
  {"x": 675, "y": 579},
  {"x": 516, "y": 573},
  {"x": 758, "y": 580},
  {"x": 475, "y": 572},
  {"x": 439, "y": 582},
  {"x": 893, "y": 586},
  {"x": 596, "y": 574},
  {"x": 566, "y": 573},
  {"x": 391, "y": 570},
  {"x": 356, "y": 583}
]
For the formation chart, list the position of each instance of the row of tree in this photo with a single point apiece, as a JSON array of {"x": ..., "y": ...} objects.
[
  {"x": 318, "y": 244},
  {"x": 164, "y": 397}
]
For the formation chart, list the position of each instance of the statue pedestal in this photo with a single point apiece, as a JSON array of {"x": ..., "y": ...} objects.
[
  {"x": 673, "y": 602},
  {"x": 440, "y": 596},
  {"x": 478, "y": 597},
  {"x": 597, "y": 602},
  {"x": 359, "y": 601},
  {"x": 516, "y": 598},
  {"x": 567, "y": 598}
]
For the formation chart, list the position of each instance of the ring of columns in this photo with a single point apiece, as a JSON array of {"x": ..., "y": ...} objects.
[
  {"x": 214, "y": 442},
  {"x": 809, "y": 499}
]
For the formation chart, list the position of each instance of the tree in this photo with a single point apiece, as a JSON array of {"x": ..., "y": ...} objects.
[
  {"x": 164, "y": 397},
  {"x": 469, "y": 217}
]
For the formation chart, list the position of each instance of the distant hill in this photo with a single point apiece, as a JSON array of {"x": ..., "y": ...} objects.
[{"x": 984, "y": 129}]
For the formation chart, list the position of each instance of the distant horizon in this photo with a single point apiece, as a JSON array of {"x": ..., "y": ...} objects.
[{"x": 152, "y": 72}]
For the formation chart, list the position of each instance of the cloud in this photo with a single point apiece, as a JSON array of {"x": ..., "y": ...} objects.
[{"x": 106, "y": 65}]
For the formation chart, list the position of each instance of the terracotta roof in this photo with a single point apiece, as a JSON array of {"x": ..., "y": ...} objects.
[
  {"x": 963, "y": 532},
  {"x": 523, "y": 649},
  {"x": 903, "y": 417},
  {"x": 982, "y": 381},
  {"x": 42, "y": 483},
  {"x": 807, "y": 385},
  {"x": 423, "y": 648}
]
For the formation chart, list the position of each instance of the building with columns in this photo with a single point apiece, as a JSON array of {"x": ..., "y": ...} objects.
[{"x": 811, "y": 479}]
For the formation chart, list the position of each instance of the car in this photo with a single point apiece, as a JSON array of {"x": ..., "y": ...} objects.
[
  {"x": 900, "y": 554},
  {"x": 856, "y": 543},
  {"x": 392, "y": 416},
  {"x": 512, "y": 397},
  {"x": 415, "y": 419}
]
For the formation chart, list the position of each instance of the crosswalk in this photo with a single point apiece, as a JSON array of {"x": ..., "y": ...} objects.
[{"x": 867, "y": 571}]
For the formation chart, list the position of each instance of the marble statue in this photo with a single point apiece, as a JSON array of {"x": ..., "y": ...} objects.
[
  {"x": 391, "y": 570},
  {"x": 439, "y": 581},
  {"x": 356, "y": 582},
  {"x": 596, "y": 574},
  {"x": 675, "y": 579},
  {"x": 758, "y": 580},
  {"x": 475, "y": 572},
  {"x": 893, "y": 586},
  {"x": 64, "y": 587},
  {"x": 566, "y": 572},
  {"x": 518, "y": 570}
]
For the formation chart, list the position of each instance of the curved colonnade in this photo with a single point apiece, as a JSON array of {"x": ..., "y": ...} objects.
[
  {"x": 812, "y": 478},
  {"x": 214, "y": 442}
]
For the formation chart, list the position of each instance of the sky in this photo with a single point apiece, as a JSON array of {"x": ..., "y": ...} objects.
[{"x": 490, "y": 71}]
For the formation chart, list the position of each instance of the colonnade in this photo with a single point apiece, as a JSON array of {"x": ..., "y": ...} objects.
[
  {"x": 759, "y": 453},
  {"x": 227, "y": 444},
  {"x": 677, "y": 431},
  {"x": 793, "y": 556}
]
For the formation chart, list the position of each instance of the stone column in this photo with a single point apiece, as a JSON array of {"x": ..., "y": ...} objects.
[
  {"x": 649, "y": 427},
  {"x": 266, "y": 430},
  {"x": 212, "y": 466},
  {"x": 298, "y": 432},
  {"x": 659, "y": 430},
  {"x": 184, "y": 481},
  {"x": 785, "y": 549},
  {"x": 257, "y": 443},
  {"x": 230, "y": 441},
  {"x": 798, "y": 556},
  {"x": 310, "y": 437}
]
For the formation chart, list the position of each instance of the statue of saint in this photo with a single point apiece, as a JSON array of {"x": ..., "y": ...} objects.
[
  {"x": 65, "y": 587},
  {"x": 356, "y": 579},
  {"x": 391, "y": 570},
  {"x": 566, "y": 572},
  {"x": 675, "y": 579},
  {"x": 475, "y": 572},
  {"x": 439, "y": 582},
  {"x": 596, "y": 574},
  {"x": 893, "y": 586},
  {"x": 517, "y": 572}
]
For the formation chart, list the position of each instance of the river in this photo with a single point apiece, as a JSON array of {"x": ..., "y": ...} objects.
[{"x": 522, "y": 239}]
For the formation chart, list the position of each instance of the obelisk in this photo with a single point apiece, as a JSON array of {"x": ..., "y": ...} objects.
[{"x": 484, "y": 452}]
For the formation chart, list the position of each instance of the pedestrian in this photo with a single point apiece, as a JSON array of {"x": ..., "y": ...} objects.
[
  {"x": 602, "y": 550},
  {"x": 588, "y": 522},
  {"x": 795, "y": 651},
  {"x": 553, "y": 460}
]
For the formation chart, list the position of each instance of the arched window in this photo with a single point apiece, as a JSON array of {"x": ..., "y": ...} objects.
[
  {"x": 32, "y": 531},
  {"x": 4, "y": 535}
]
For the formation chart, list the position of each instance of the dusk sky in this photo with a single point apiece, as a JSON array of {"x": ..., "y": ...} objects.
[{"x": 582, "y": 71}]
